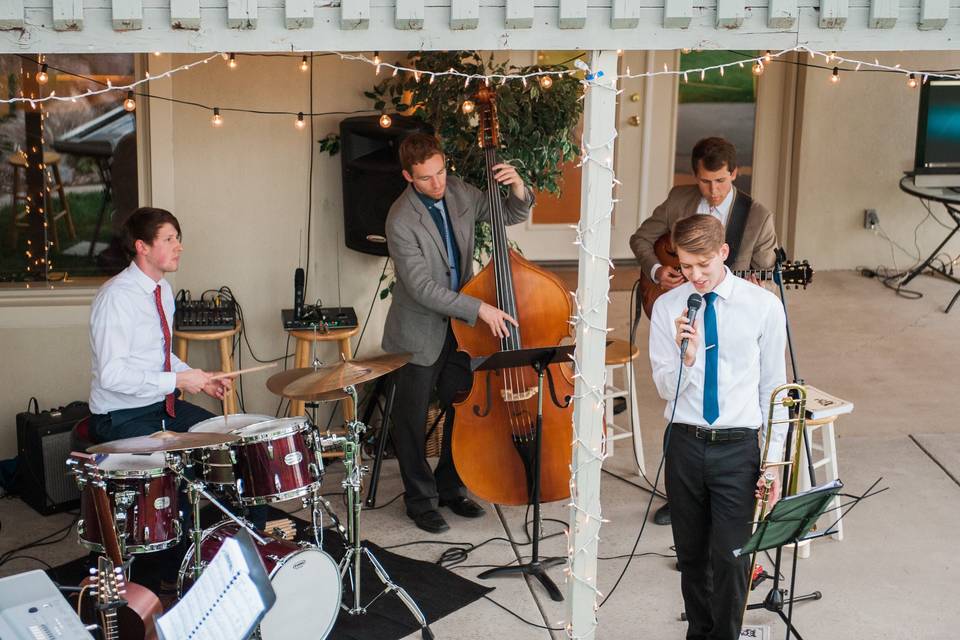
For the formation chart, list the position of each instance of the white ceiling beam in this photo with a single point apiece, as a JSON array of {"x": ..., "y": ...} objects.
[
  {"x": 409, "y": 14},
  {"x": 298, "y": 14},
  {"x": 68, "y": 15},
  {"x": 11, "y": 14},
  {"x": 782, "y": 14},
  {"x": 884, "y": 14},
  {"x": 834, "y": 13},
  {"x": 354, "y": 14},
  {"x": 519, "y": 14},
  {"x": 573, "y": 14},
  {"x": 677, "y": 14},
  {"x": 464, "y": 14},
  {"x": 242, "y": 14},
  {"x": 933, "y": 14},
  {"x": 127, "y": 14},
  {"x": 730, "y": 13},
  {"x": 624, "y": 14},
  {"x": 185, "y": 14}
]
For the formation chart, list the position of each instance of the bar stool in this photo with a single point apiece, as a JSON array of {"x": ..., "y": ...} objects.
[
  {"x": 224, "y": 339},
  {"x": 51, "y": 159},
  {"x": 619, "y": 356},
  {"x": 305, "y": 340},
  {"x": 823, "y": 450}
]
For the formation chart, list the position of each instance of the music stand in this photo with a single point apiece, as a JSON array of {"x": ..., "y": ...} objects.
[
  {"x": 538, "y": 358},
  {"x": 789, "y": 522}
]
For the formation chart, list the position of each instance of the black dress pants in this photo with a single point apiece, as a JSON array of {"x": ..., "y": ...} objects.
[
  {"x": 415, "y": 385},
  {"x": 711, "y": 488}
]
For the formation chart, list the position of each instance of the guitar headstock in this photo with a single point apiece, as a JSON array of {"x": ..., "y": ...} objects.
[
  {"x": 796, "y": 274},
  {"x": 109, "y": 585}
]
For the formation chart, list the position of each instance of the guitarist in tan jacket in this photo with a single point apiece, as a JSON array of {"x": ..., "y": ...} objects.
[{"x": 749, "y": 226}]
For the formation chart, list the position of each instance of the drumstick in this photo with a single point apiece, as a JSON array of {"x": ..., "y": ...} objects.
[{"x": 234, "y": 374}]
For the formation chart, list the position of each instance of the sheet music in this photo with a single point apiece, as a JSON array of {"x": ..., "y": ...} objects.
[
  {"x": 224, "y": 604},
  {"x": 821, "y": 404}
]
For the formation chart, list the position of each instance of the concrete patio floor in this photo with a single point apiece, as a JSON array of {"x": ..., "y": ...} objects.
[{"x": 893, "y": 576}]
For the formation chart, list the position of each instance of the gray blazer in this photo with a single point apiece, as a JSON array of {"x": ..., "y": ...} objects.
[
  {"x": 423, "y": 302},
  {"x": 757, "y": 246}
]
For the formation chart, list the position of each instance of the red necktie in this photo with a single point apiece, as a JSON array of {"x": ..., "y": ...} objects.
[{"x": 168, "y": 401}]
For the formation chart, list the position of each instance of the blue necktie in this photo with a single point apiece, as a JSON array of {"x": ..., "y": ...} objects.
[
  {"x": 448, "y": 242},
  {"x": 711, "y": 402}
]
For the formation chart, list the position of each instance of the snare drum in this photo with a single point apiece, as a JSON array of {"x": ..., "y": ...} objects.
[
  {"x": 277, "y": 460},
  {"x": 143, "y": 503},
  {"x": 215, "y": 464},
  {"x": 306, "y": 580}
]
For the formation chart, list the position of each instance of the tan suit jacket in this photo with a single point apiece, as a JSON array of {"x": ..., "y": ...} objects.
[{"x": 756, "y": 247}]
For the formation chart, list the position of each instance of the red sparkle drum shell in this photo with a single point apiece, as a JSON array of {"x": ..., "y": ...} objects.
[
  {"x": 277, "y": 460},
  {"x": 306, "y": 580},
  {"x": 215, "y": 465},
  {"x": 142, "y": 488}
]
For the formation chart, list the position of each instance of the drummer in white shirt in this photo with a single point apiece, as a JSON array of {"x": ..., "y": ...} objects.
[{"x": 137, "y": 380}]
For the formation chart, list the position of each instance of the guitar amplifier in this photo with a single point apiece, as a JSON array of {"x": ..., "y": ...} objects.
[{"x": 43, "y": 446}]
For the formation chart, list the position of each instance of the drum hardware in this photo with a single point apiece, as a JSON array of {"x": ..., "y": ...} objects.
[{"x": 355, "y": 551}]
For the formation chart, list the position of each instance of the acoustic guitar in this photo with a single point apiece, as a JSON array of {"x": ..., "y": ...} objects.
[{"x": 794, "y": 275}]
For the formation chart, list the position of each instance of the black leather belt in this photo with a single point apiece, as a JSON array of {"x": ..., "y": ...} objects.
[{"x": 734, "y": 434}]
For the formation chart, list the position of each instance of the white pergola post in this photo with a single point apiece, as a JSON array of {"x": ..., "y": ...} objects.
[{"x": 596, "y": 207}]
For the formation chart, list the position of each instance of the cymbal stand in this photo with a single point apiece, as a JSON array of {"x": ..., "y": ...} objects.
[
  {"x": 195, "y": 489},
  {"x": 355, "y": 551}
]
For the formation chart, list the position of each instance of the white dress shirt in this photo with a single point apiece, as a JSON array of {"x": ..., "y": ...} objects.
[
  {"x": 751, "y": 329},
  {"x": 721, "y": 212},
  {"x": 127, "y": 343}
]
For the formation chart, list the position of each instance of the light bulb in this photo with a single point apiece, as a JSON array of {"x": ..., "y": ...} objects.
[
  {"x": 685, "y": 50},
  {"x": 386, "y": 121},
  {"x": 467, "y": 106},
  {"x": 232, "y": 61},
  {"x": 912, "y": 81},
  {"x": 129, "y": 104},
  {"x": 300, "y": 123},
  {"x": 217, "y": 119},
  {"x": 304, "y": 65},
  {"x": 157, "y": 53},
  {"x": 546, "y": 82},
  {"x": 766, "y": 56},
  {"x": 376, "y": 57},
  {"x": 835, "y": 76},
  {"x": 42, "y": 76},
  {"x": 758, "y": 69}
]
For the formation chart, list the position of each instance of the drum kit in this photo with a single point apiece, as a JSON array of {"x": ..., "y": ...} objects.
[{"x": 249, "y": 460}]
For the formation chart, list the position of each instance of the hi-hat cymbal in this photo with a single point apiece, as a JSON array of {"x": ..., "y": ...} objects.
[
  {"x": 164, "y": 441},
  {"x": 328, "y": 382}
]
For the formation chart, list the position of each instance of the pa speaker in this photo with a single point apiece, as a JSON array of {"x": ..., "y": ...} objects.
[{"x": 372, "y": 181}]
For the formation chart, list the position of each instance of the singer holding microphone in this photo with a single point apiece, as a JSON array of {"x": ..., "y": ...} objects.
[{"x": 717, "y": 352}]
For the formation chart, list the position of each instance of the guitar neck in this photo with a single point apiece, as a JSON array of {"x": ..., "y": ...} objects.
[
  {"x": 110, "y": 629},
  {"x": 759, "y": 274}
]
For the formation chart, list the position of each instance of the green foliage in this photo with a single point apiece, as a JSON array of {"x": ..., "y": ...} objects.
[
  {"x": 736, "y": 85},
  {"x": 330, "y": 144}
]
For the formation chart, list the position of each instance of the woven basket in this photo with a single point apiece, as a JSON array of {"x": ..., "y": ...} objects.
[{"x": 432, "y": 445}]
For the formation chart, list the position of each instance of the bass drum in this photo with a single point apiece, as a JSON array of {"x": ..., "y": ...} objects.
[{"x": 306, "y": 580}]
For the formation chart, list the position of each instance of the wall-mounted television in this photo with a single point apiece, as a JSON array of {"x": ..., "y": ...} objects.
[{"x": 937, "y": 161}]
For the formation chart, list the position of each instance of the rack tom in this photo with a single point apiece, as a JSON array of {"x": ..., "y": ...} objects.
[
  {"x": 143, "y": 501},
  {"x": 215, "y": 465},
  {"x": 277, "y": 460}
]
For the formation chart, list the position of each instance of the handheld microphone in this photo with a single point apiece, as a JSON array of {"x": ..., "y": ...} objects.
[
  {"x": 693, "y": 305},
  {"x": 298, "y": 278}
]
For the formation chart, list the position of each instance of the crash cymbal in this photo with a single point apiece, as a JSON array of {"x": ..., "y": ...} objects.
[
  {"x": 309, "y": 383},
  {"x": 164, "y": 441}
]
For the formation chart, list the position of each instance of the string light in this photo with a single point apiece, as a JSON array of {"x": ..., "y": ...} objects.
[
  {"x": 546, "y": 82},
  {"x": 766, "y": 56},
  {"x": 757, "y": 68},
  {"x": 300, "y": 123},
  {"x": 232, "y": 61},
  {"x": 304, "y": 65},
  {"x": 376, "y": 58},
  {"x": 386, "y": 121},
  {"x": 42, "y": 76},
  {"x": 467, "y": 107},
  {"x": 685, "y": 50},
  {"x": 217, "y": 119},
  {"x": 157, "y": 53},
  {"x": 835, "y": 76},
  {"x": 129, "y": 104},
  {"x": 912, "y": 81}
]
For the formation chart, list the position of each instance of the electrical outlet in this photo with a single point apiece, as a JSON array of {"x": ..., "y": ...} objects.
[{"x": 871, "y": 220}]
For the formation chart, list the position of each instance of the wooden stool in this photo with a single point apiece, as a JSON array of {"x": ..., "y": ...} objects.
[
  {"x": 225, "y": 340},
  {"x": 305, "y": 340},
  {"x": 18, "y": 162},
  {"x": 619, "y": 356},
  {"x": 824, "y": 454}
]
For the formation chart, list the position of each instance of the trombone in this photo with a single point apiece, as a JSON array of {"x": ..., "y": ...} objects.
[{"x": 792, "y": 397}]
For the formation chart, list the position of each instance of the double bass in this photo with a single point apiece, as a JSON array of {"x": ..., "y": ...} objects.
[{"x": 493, "y": 440}]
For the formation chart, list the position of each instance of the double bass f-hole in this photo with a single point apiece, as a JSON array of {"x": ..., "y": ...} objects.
[{"x": 483, "y": 413}]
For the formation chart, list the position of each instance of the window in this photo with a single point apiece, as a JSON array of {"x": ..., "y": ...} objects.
[
  {"x": 717, "y": 105},
  {"x": 90, "y": 182}
]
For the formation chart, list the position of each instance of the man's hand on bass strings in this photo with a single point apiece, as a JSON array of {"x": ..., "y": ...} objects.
[{"x": 496, "y": 319}]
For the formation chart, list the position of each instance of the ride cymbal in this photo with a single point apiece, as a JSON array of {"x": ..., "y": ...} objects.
[
  {"x": 328, "y": 382},
  {"x": 164, "y": 441}
]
